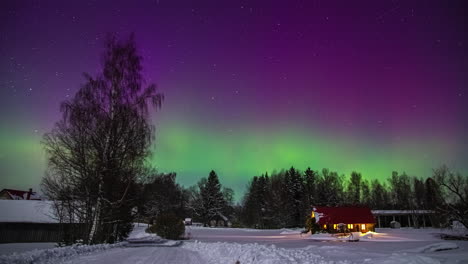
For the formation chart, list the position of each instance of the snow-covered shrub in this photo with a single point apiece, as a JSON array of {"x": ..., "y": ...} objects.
[{"x": 168, "y": 226}]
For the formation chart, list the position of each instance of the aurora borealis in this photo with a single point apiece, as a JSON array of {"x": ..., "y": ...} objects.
[{"x": 252, "y": 86}]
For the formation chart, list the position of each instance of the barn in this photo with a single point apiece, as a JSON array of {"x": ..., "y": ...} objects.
[
  {"x": 30, "y": 221},
  {"x": 348, "y": 218}
]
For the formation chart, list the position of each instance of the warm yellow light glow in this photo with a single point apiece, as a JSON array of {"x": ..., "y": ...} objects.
[
  {"x": 350, "y": 226},
  {"x": 324, "y": 226},
  {"x": 334, "y": 226},
  {"x": 363, "y": 227},
  {"x": 313, "y": 214}
]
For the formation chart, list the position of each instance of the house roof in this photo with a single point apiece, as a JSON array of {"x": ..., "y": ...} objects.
[
  {"x": 20, "y": 195},
  {"x": 346, "y": 215},
  {"x": 27, "y": 211},
  {"x": 401, "y": 212}
]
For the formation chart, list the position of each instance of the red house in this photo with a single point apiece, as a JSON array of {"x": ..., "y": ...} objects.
[
  {"x": 10, "y": 194},
  {"x": 353, "y": 219}
]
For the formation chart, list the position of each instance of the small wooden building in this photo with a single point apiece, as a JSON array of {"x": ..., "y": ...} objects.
[{"x": 351, "y": 219}]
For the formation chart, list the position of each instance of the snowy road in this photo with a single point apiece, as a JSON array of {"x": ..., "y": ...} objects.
[
  {"x": 250, "y": 246},
  {"x": 141, "y": 255}
]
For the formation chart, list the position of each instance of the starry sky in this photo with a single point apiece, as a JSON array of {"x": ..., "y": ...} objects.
[{"x": 251, "y": 86}]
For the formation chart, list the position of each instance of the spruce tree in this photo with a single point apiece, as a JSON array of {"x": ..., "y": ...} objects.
[{"x": 212, "y": 198}]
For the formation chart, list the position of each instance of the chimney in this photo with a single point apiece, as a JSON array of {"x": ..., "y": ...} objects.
[{"x": 29, "y": 194}]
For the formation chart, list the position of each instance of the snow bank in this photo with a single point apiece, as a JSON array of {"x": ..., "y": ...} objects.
[
  {"x": 10, "y": 248},
  {"x": 233, "y": 229},
  {"x": 139, "y": 233},
  {"x": 291, "y": 232},
  {"x": 53, "y": 255},
  {"x": 434, "y": 247},
  {"x": 330, "y": 237},
  {"x": 406, "y": 259},
  {"x": 222, "y": 252},
  {"x": 393, "y": 236}
]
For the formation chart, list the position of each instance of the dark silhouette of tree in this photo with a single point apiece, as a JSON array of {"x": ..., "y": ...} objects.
[
  {"x": 331, "y": 189},
  {"x": 379, "y": 196},
  {"x": 354, "y": 188},
  {"x": 98, "y": 148},
  {"x": 400, "y": 190},
  {"x": 454, "y": 188},
  {"x": 294, "y": 185},
  {"x": 311, "y": 179},
  {"x": 365, "y": 193},
  {"x": 162, "y": 195},
  {"x": 208, "y": 202}
]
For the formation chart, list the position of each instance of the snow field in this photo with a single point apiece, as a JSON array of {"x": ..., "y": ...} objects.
[
  {"x": 52, "y": 255},
  {"x": 223, "y": 252}
]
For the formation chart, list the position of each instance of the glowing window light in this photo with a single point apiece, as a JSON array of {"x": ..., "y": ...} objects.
[
  {"x": 324, "y": 226},
  {"x": 313, "y": 214},
  {"x": 350, "y": 226},
  {"x": 334, "y": 226},
  {"x": 363, "y": 227}
]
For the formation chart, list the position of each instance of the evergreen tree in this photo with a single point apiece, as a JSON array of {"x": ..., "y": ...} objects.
[
  {"x": 311, "y": 179},
  {"x": 294, "y": 185},
  {"x": 331, "y": 189},
  {"x": 162, "y": 195},
  {"x": 378, "y": 196},
  {"x": 212, "y": 199},
  {"x": 400, "y": 188},
  {"x": 365, "y": 193},
  {"x": 354, "y": 188}
]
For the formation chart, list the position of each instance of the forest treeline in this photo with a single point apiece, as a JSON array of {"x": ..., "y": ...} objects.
[{"x": 286, "y": 198}]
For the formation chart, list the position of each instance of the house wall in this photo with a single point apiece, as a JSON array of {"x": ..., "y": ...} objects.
[
  {"x": 356, "y": 227},
  {"x": 34, "y": 232}
]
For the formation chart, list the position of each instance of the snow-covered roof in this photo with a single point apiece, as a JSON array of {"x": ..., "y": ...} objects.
[
  {"x": 26, "y": 211},
  {"x": 401, "y": 212}
]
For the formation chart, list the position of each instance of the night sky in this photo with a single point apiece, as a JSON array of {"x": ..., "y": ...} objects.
[{"x": 251, "y": 86}]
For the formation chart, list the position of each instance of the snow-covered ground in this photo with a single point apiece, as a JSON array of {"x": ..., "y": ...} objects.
[{"x": 223, "y": 245}]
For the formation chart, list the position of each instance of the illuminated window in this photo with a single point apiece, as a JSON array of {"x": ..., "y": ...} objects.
[
  {"x": 350, "y": 226},
  {"x": 363, "y": 227},
  {"x": 334, "y": 226},
  {"x": 313, "y": 214},
  {"x": 324, "y": 226}
]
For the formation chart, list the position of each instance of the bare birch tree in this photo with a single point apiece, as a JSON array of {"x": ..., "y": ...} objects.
[{"x": 98, "y": 148}]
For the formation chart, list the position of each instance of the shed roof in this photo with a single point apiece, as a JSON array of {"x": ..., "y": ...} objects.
[{"x": 346, "y": 215}]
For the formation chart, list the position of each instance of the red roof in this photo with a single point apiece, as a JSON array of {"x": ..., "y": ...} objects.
[
  {"x": 345, "y": 215},
  {"x": 20, "y": 193}
]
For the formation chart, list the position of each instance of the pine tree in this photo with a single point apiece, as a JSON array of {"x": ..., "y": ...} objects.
[
  {"x": 354, "y": 188},
  {"x": 211, "y": 197},
  {"x": 311, "y": 179},
  {"x": 294, "y": 185},
  {"x": 330, "y": 189}
]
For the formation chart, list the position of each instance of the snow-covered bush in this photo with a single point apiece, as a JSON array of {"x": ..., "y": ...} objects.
[{"x": 168, "y": 226}]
